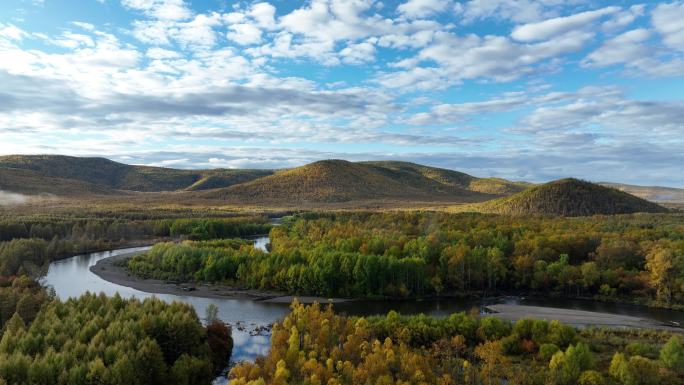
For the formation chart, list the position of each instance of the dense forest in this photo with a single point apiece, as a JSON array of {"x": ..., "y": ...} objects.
[
  {"x": 27, "y": 243},
  {"x": 100, "y": 340},
  {"x": 636, "y": 258},
  {"x": 316, "y": 346}
]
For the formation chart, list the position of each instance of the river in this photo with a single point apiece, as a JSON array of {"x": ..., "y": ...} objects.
[{"x": 72, "y": 277}]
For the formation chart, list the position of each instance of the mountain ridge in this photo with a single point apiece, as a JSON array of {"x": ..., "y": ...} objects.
[{"x": 324, "y": 182}]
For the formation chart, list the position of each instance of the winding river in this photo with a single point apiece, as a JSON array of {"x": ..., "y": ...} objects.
[{"x": 72, "y": 277}]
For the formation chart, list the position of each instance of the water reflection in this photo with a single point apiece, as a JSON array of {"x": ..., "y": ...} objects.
[{"x": 72, "y": 277}]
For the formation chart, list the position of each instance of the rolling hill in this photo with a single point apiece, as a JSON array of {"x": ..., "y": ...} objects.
[
  {"x": 570, "y": 197},
  {"x": 322, "y": 182},
  {"x": 108, "y": 175},
  {"x": 332, "y": 181}
]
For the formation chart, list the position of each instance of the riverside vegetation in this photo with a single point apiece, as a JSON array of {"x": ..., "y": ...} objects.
[
  {"x": 632, "y": 258},
  {"x": 95, "y": 339},
  {"x": 316, "y": 346}
]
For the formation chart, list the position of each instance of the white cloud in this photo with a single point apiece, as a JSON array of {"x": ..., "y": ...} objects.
[
  {"x": 546, "y": 29},
  {"x": 161, "y": 9},
  {"x": 12, "y": 32},
  {"x": 423, "y": 8},
  {"x": 518, "y": 11},
  {"x": 491, "y": 57},
  {"x": 624, "y": 18},
  {"x": 197, "y": 32},
  {"x": 668, "y": 20},
  {"x": 161, "y": 53},
  {"x": 627, "y": 47},
  {"x": 633, "y": 50},
  {"x": 263, "y": 14},
  {"x": 358, "y": 53},
  {"x": 244, "y": 34}
]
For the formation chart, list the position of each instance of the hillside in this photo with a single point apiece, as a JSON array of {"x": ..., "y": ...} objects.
[
  {"x": 34, "y": 183},
  {"x": 341, "y": 181},
  {"x": 418, "y": 175},
  {"x": 570, "y": 197},
  {"x": 652, "y": 193},
  {"x": 225, "y": 178},
  {"x": 109, "y": 175}
]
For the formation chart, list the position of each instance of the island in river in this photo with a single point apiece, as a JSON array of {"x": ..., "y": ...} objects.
[{"x": 113, "y": 270}]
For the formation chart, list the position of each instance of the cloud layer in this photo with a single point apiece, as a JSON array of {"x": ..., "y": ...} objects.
[{"x": 532, "y": 89}]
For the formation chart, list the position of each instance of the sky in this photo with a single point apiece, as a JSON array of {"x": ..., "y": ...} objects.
[{"x": 529, "y": 90}]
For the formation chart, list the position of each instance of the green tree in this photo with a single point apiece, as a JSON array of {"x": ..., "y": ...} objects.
[{"x": 672, "y": 354}]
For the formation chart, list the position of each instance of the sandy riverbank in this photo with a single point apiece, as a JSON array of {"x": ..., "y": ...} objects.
[
  {"x": 109, "y": 270},
  {"x": 578, "y": 318}
]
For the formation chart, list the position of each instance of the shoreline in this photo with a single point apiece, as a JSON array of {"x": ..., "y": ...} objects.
[
  {"x": 108, "y": 270},
  {"x": 577, "y": 318}
]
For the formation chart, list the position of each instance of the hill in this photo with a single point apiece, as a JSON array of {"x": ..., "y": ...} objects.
[
  {"x": 100, "y": 174},
  {"x": 652, "y": 193},
  {"x": 439, "y": 177},
  {"x": 570, "y": 197},
  {"x": 332, "y": 181},
  {"x": 34, "y": 183}
]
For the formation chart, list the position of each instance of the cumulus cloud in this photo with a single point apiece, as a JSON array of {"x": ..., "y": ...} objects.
[
  {"x": 423, "y": 8},
  {"x": 668, "y": 20}
]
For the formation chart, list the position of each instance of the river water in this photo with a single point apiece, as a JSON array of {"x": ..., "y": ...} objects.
[{"x": 72, "y": 277}]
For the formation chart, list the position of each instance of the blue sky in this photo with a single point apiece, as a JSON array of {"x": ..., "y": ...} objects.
[{"x": 523, "y": 89}]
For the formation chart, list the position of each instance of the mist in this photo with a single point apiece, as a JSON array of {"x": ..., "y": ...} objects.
[{"x": 11, "y": 199}]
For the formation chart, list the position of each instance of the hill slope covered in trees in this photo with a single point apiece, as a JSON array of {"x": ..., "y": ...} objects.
[
  {"x": 109, "y": 175},
  {"x": 341, "y": 181},
  {"x": 570, "y": 197}
]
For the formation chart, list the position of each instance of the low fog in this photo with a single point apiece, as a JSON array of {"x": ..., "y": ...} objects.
[{"x": 11, "y": 199}]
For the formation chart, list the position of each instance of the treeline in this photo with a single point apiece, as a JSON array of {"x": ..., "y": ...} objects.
[
  {"x": 316, "y": 346},
  {"x": 29, "y": 245},
  {"x": 101, "y": 340},
  {"x": 115, "y": 229},
  {"x": 635, "y": 258}
]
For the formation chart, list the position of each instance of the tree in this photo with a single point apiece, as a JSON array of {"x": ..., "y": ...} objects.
[
  {"x": 494, "y": 361},
  {"x": 672, "y": 354},
  {"x": 660, "y": 264},
  {"x": 566, "y": 367},
  {"x": 211, "y": 313}
]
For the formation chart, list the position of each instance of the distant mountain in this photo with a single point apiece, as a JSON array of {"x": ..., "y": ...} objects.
[
  {"x": 570, "y": 197},
  {"x": 104, "y": 175},
  {"x": 652, "y": 193},
  {"x": 331, "y": 181},
  {"x": 327, "y": 181}
]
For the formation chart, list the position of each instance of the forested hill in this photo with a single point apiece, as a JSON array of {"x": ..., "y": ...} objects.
[
  {"x": 570, "y": 197},
  {"x": 323, "y": 181},
  {"x": 37, "y": 173},
  {"x": 340, "y": 181}
]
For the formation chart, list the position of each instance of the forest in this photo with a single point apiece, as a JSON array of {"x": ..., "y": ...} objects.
[
  {"x": 109, "y": 340},
  {"x": 28, "y": 243},
  {"x": 95, "y": 339},
  {"x": 314, "y": 345},
  {"x": 632, "y": 258}
]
